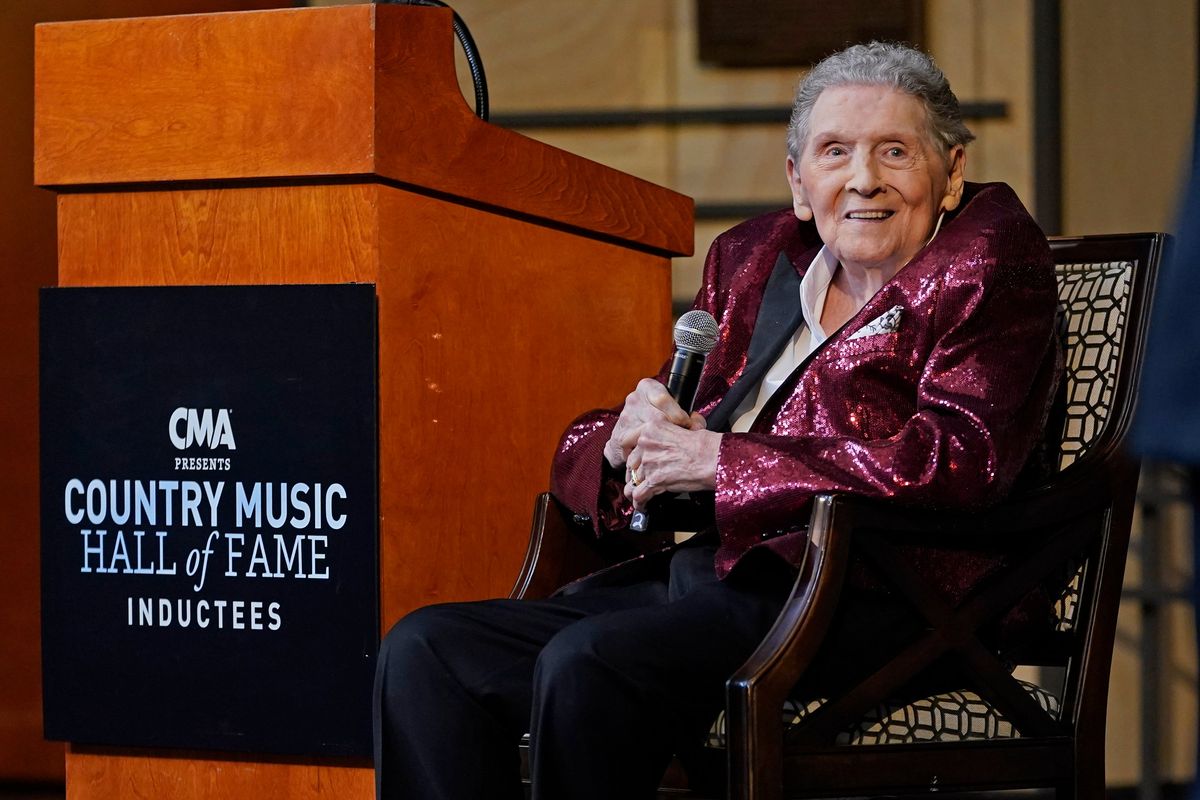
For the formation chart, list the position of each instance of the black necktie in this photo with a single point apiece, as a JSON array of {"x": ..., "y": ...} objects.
[{"x": 779, "y": 317}]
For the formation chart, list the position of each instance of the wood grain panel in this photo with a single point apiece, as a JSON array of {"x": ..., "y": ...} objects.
[
  {"x": 109, "y": 773},
  {"x": 317, "y": 91},
  {"x": 489, "y": 358},
  {"x": 300, "y": 234},
  {"x": 644, "y": 151},
  {"x": 223, "y": 99},
  {"x": 458, "y": 466}
]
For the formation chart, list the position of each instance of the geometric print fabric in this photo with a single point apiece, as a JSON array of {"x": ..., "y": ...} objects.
[
  {"x": 1092, "y": 301},
  {"x": 949, "y": 716}
]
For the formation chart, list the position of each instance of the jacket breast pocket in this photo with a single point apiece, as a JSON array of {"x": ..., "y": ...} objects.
[
  {"x": 889, "y": 359},
  {"x": 876, "y": 343}
]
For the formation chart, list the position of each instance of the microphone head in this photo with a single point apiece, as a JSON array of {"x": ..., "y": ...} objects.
[{"x": 696, "y": 332}]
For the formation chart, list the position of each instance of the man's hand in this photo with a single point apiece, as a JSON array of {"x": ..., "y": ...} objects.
[
  {"x": 670, "y": 458},
  {"x": 648, "y": 402}
]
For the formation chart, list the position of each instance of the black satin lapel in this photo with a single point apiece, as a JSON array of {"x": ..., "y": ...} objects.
[
  {"x": 771, "y": 408},
  {"x": 778, "y": 318}
]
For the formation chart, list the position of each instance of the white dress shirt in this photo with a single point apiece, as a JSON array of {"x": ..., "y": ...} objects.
[{"x": 814, "y": 286}]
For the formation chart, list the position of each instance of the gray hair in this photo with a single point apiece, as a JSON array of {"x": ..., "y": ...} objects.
[{"x": 882, "y": 64}]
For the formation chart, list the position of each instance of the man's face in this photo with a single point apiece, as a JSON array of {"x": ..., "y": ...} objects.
[{"x": 871, "y": 178}]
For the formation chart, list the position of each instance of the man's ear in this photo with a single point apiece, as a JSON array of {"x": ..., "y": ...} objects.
[
  {"x": 954, "y": 181},
  {"x": 800, "y": 204}
]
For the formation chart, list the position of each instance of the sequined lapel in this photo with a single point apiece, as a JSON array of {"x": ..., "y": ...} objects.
[{"x": 779, "y": 316}]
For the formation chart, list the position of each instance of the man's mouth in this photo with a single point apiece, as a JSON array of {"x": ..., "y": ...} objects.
[{"x": 869, "y": 215}]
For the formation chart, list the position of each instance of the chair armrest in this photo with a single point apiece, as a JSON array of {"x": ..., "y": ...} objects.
[
  {"x": 757, "y": 690},
  {"x": 1082, "y": 489},
  {"x": 562, "y": 549},
  {"x": 780, "y": 660},
  {"x": 1075, "y": 493}
]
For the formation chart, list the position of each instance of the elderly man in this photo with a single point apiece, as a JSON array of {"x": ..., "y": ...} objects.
[{"x": 892, "y": 335}]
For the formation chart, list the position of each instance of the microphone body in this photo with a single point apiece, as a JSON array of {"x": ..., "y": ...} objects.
[
  {"x": 686, "y": 367},
  {"x": 695, "y": 337}
]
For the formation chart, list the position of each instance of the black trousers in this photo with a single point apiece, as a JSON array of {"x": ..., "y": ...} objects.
[{"x": 609, "y": 682}]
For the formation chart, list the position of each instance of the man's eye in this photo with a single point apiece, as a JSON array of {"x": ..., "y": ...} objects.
[
  {"x": 896, "y": 152},
  {"x": 835, "y": 151}
]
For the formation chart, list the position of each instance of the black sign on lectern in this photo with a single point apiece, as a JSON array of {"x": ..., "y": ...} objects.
[{"x": 209, "y": 517}]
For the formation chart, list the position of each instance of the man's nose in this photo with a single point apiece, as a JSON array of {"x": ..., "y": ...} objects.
[{"x": 864, "y": 177}]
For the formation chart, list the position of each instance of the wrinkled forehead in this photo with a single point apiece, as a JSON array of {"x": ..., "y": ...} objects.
[{"x": 870, "y": 111}]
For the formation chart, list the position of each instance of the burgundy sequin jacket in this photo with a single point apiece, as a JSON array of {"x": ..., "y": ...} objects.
[{"x": 941, "y": 406}]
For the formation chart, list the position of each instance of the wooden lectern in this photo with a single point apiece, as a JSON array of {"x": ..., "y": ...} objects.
[{"x": 517, "y": 284}]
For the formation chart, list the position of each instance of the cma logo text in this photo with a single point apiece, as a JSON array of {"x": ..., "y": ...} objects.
[{"x": 206, "y": 426}]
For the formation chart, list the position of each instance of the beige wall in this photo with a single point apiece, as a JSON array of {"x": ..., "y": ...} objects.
[
  {"x": 576, "y": 54},
  {"x": 1128, "y": 83},
  {"x": 1128, "y": 95}
]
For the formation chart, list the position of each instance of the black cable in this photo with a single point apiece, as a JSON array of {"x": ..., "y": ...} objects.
[{"x": 474, "y": 62}]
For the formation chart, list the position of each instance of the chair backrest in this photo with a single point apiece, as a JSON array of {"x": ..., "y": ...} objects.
[
  {"x": 1102, "y": 290},
  {"x": 1105, "y": 292},
  {"x": 1104, "y": 308}
]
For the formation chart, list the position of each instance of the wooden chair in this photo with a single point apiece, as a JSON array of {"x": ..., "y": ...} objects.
[{"x": 1070, "y": 534}]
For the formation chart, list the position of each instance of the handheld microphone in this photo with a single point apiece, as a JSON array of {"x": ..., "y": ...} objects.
[{"x": 695, "y": 337}]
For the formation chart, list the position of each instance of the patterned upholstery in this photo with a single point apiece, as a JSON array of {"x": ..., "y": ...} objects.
[
  {"x": 1093, "y": 301},
  {"x": 1094, "y": 298},
  {"x": 950, "y": 716}
]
